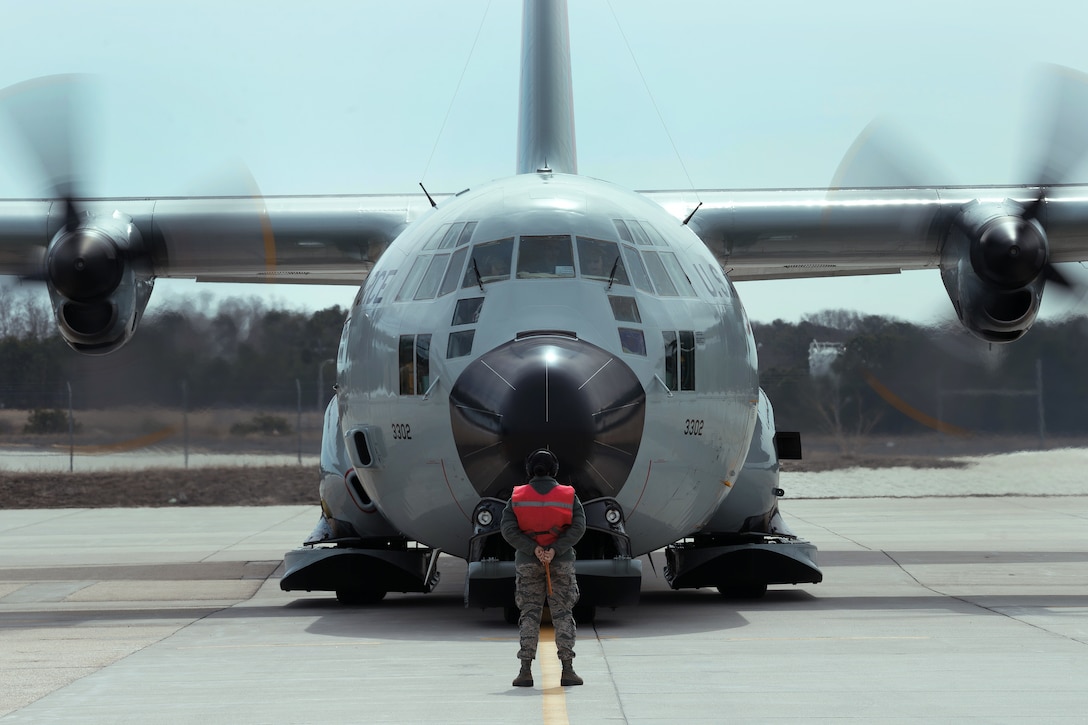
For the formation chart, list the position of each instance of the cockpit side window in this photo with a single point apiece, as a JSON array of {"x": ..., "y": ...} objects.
[
  {"x": 451, "y": 235},
  {"x": 423, "y": 364},
  {"x": 623, "y": 231},
  {"x": 429, "y": 286},
  {"x": 679, "y": 359},
  {"x": 492, "y": 260},
  {"x": 412, "y": 280},
  {"x": 677, "y": 274},
  {"x": 670, "y": 360},
  {"x": 640, "y": 236},
  {"x": 466, "y": 234},
  {"x": 407, "y": 364},
  {"x": 637, "y": 268},
  {"x": 664, "y": 285},
  {"x": 447, "y": 236},
  {"x": 655, "y": 236},
  {"x": 442, "y": 232},
  {"x": 545, "y": 257},
  {"x": 414, "y": 364},
  {"x": 598, "y": 259},
  {"x": 706, "y": 282},
  {"x": 457, "y": 263},
  {"x": 687, "y": 360}
]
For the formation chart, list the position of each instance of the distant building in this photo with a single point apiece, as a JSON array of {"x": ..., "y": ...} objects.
[{"x": 821, "y": 356}]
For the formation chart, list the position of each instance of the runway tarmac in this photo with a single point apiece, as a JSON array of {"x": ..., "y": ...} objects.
[{"x": 932, "y": 610}]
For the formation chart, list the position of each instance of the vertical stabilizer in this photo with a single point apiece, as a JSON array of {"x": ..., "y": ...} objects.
[{"x": 546, "y": 101}]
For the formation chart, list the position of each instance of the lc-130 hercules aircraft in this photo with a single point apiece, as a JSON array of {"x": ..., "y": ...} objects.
[{"x": 546, "y": 309}]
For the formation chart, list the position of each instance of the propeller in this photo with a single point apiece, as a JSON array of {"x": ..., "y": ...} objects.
[
  {"x": 1061, "y": 139},
  {"x": 51, "y": 120},
  {"x": 1011, "y": 250},
  {"x": 1061, "y": 136},
  {"x": 46, "y": 116}
]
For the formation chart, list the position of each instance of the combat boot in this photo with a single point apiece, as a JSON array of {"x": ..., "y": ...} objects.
[
  {"x": 569, "y": 676},
  {"x": 525, "y": 677}
]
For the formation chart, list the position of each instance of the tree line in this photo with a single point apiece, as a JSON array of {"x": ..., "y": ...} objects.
[
  {"x": 237, "y": 353},
  {"x": 894, "y": 377},
  {"x": 889, "y": 376}
]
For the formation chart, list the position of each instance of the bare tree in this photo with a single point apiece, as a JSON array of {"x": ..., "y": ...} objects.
[
  {"x": 25, "y": 313},
  {"x": 833, "y": 409}
]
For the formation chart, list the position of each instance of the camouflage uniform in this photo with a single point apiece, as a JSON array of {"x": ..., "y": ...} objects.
[
  {"x": 532, "y": 590},
  {"x": 531, "y": 583}
]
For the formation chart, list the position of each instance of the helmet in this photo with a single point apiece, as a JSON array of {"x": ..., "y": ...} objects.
[{"x": 542, "y": 462}]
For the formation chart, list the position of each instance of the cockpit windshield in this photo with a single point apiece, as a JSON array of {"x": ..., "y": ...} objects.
[
  {"x": 545, "y": 256},
  {"x": 491, "y": 260},
  {"x": 598, "y": 259}
]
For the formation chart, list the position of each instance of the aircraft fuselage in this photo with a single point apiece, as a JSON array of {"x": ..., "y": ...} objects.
[{"x": 547, "y": 310}]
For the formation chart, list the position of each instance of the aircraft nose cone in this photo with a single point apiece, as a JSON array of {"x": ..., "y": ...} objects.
[{"x": 581, "y": 402}]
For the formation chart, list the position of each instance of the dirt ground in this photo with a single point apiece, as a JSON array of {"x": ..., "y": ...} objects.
[
  {"x": 228, "y": 486},
  {"x": 267, "y": 486}
]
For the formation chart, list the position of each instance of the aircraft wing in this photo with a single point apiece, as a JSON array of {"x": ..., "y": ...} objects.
[
  {"x": 794, "y": 233},
  {"x": 291, "y": 239}
]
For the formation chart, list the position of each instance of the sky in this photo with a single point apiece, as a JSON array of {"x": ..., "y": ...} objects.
[{"x": 374, "y": 97}]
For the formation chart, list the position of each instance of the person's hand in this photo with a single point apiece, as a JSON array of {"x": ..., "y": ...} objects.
[
  {"x": 539, "y": 553},
  {"x": 547, "y": 556}
]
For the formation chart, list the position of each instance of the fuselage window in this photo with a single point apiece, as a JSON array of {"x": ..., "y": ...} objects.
[
  {"x": 412, "y": 280},
  {"x": 679, "y": 359},
  {"x": 460, "y": 344},
  {"x": 491, "y": 260},
  {"x": 541, "y": 257},
  {"x": 655, "y": 236},
  {"x": 637, "y": 268},
  {"x": 624, "y": 309},
  {"x": 429, "y": 286},
  {"x": 457, "y": 263},
  {"x": 414, "y": 360},
  {"x": 632, "y": 341},
  {"x": 467, "y": 312},
  {"x": 664, "y": 285},
  {"x": 677, "y": 274},
  {"x": 598, "y": 259}
]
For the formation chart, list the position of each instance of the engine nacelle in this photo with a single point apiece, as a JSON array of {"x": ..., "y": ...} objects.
[
  {"x": 99, "y": 282},
  {"x": 992, "y": 267}
]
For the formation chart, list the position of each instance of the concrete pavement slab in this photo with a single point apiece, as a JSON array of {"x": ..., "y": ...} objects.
[{"x": 932, "y": 610}]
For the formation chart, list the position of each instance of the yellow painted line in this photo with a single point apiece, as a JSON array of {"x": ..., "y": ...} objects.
[
  {"x": 555, "y": 699},
  {"x": 132, "y": 444}
]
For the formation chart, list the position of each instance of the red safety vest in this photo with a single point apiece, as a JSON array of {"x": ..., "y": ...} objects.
[{"x": 543, "y": 516}]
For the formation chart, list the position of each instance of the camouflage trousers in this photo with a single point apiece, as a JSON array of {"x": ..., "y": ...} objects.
[{"x": 532, "y": 591}]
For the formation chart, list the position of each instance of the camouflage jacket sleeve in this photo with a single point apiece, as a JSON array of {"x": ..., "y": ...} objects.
[
  {"x": 573, "y": 533},
  {"x": 513, "y": 534}
]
